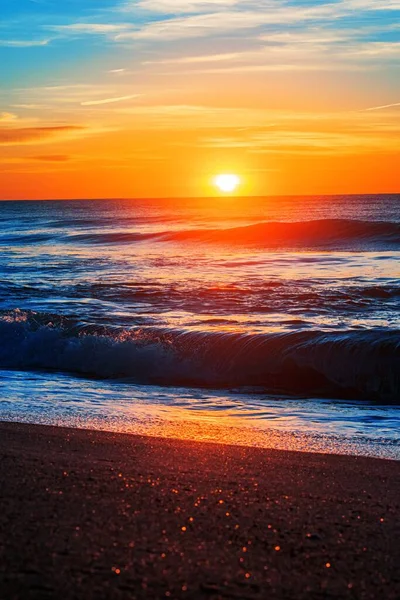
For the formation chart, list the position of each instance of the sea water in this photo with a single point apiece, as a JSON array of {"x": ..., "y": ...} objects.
[{"x": 261, "y": 321}]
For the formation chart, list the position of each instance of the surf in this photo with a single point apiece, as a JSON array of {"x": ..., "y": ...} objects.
[
  {"x": 329, "y": 234},
  {"x": 349, "y": 364}
]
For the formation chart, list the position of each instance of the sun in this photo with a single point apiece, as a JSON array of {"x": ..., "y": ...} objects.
[{"x": 227, "y": 183}]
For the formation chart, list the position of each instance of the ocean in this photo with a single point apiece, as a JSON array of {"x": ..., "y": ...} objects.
[{"x": 259, "y": 321}]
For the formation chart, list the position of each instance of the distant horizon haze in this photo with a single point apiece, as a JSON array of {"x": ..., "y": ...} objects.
[{"x": 220, "y": 197}]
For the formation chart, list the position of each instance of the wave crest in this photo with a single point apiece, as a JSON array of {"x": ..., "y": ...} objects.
[
  {"x": 356, "y": 364},
  {"x": 345, "y": 234}
]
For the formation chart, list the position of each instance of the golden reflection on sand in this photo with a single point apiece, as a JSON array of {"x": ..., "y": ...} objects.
[{"x": 223, "y": 428}]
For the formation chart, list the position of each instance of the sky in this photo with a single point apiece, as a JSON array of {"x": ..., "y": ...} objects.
[{"x": 154, "y": 98}]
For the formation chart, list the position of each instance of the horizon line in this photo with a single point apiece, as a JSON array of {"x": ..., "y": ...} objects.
[{"x": 222, "y": 197}]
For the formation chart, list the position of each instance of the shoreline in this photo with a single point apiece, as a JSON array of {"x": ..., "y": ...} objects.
[
  {"x": 112, "y": 515},
  {"x": 178, "y": 424}
]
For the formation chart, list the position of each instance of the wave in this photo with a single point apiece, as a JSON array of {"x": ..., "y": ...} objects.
[
  {"x": 249, "y": 297},
  {"x": 24, "y": 239},
  {"x": 329, "y": 234},
  {"x": 380, "y": 292},
  {"x": 124, "y": 300},
  {"x": 352, "y": 364},
  {"x": 346, "y": 234}
]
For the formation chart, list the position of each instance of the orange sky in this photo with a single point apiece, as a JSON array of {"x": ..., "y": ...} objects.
[{"x": 121, "y": 101}]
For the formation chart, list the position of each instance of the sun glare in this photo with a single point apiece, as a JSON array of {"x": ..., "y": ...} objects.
[{"x": 227, "y": 183}]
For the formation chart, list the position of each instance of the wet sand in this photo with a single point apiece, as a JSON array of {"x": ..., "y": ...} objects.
[{"x": 94, "y": 515}]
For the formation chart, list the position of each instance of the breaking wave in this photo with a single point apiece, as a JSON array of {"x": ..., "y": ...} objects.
[
  {"x": 357, "y": 364},
  {"x": 345, "y": 234}
]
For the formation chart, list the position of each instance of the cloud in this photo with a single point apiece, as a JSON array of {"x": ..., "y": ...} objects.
[
  {"x": 108, "y": 100},
  {"x": 307, "y": 142},
  {"x": 279, "y": 67},
  {"x": 308, "y": 36},
  {"x": 30, "y": 106},
  {"x": 195, "y": 26},
  {"x": 160, "y": 20},
  {"x": 195, "y": 59},
  {"x": 201, "y": 6},
  {"x": 24, "y": 43},
  {"x": 91, "y": 28},
  {"x": 383, "y": 107},
  {"x": 199, "y": 18},
  {"x": 6, "y": 117},
  {"x": 372, "y": 49},
  {"x": 193, "y": 117},
  {"x": 34, "y": 135},
  {"x": 237, "y": 17},
  {"x": 70, "y": 97},
  {"x": 373, "y": 5},
  {"x": 22, "y": 160},
  {"x": 309, "y": 49},
  {"x": 50, "y": 158},
  {"x": 180, "y": 6},
  {"x": 200, "y": 117}
]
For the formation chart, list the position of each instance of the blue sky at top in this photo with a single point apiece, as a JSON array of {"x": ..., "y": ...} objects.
[
  {"x": 48, "y": 41},
  {"x": 59, "y": 57}
]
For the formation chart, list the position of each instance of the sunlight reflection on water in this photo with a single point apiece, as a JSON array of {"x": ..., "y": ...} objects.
[{"x": 333, "y": 426}]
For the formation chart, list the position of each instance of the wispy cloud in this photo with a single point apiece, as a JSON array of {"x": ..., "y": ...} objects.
[
  {"x": 195, "y": 59},
  {"x": 310, "y": 49},
  {"x": 91, "y": 28},
  {"x": 6, "y": 117},
  {"x": 278, "y": 67},
  {"x": 56, "y": 158},
  {"x": 271, "y": 44},
  {"x": 307, "y": 142},
  {"x": 108, "y": 100},
  {"x": 383, "y": 107},
  {"x": 24, "y": 43},
  {"x": 66, "y": 97},
  {"x": 374, "y": 49},
  {"x": 180, "y": 19},
  {"x": 51, "y": 158},
  {"x": 33, "y": 135},
  {"x": 373, "y": 5},
  {"x": 179, "y": 6},
  {"x": 167, "y": 43},
  {"x": 198, "y": 26},
  {"x": 29, "y": 106},
  {"x": 166, "y": 20}
]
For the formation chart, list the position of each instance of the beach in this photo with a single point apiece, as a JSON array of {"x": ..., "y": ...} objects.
[
  {"x": 89, "y": 514},
  {"x": 200, "y": 300}
]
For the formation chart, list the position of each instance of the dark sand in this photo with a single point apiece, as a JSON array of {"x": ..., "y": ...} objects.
[{"x": 92, "y": 515}]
